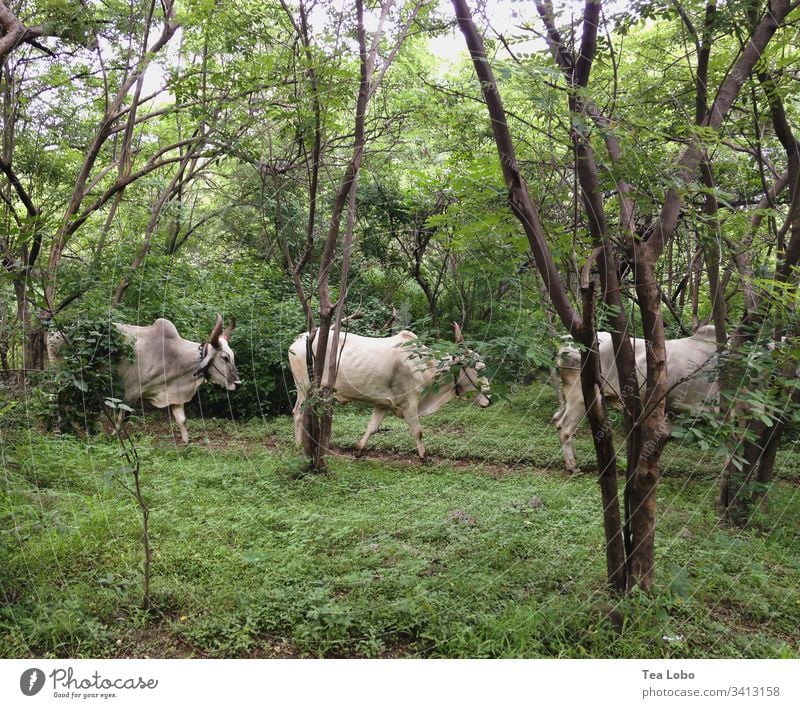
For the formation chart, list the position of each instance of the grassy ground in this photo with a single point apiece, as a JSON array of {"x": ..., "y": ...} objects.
[{"x": 490, "y": 551}]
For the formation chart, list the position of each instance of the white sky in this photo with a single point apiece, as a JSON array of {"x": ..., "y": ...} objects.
[{"x": 506, "y": 16}]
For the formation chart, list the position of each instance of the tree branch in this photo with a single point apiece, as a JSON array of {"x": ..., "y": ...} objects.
[{"x": 519, "y": 198}]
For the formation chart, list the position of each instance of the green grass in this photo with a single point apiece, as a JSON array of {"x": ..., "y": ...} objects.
[
  {"x": 384, "y": 556},
  {"x": 515, "y": 431}
]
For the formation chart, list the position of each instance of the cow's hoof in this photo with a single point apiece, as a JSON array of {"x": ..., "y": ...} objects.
[
  {"x": 573, "y": 470},
  {"x": 358, "y": 454},
  {"x": 425, "y": 460}
]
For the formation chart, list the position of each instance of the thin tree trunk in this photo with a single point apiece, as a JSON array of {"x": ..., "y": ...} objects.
[
  {"x": 695, "y": 282},
  {"x": 591, "y": 387},
  {"x": 653, "y": 431},
  {"x": 317, "y": 420},
  {"x": 745, "y": 480},
  {"x": 316, "y": 441}
]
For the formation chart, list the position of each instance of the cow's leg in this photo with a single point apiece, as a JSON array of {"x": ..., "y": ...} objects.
[
  {"x": 569, "y": 416},
  {"x": 372, "y": 427},
  {"x": 566, "y": 425},
  {"x": 298, "y": 416},
  {"x": 179, "y": 416},
  {"x": 411, "y": 416}
]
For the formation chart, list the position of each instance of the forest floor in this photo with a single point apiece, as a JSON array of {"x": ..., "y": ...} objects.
[{"x": 490, "y": 550}]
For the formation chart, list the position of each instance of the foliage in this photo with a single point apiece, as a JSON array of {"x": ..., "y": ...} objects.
[
  {"x": 86, "y": 371},
  {"x": 235, "y": 115},
  {"x": 381, "y": 558},
  {"x": 267, "y": 322},
  {"x": 32, "y": 407}
]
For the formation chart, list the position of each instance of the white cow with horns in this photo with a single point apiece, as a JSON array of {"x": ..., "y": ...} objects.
[
  {"x": 691, "y": 379},
  {"x": 166, "y": 370},
  {"x": 392, "y": 377}
]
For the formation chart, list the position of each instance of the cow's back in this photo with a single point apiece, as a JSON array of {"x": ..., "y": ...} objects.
[
  {"x": 146, "y": 342},
  {"x": 375, "y": 370},
  {"x": 691, "y": 363},
  {"x": 380, "y": 371},
  {"x": 691, "y": 370},
  {"x": 689, "y": 360}
]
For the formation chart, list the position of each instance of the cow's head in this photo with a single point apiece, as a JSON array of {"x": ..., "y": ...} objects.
[
  {"x": 469, "y": 376},
  {"x": 218, "y": 362}
]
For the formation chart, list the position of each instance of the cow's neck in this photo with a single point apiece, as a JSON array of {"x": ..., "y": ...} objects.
[
  {"x": 437, "y": 397},
  {"x": 189, "y": 355},
  {"x": 199, "y": 349}
]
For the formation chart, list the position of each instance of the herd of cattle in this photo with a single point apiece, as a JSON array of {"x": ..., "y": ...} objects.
[{"x": 392, "y": 374}]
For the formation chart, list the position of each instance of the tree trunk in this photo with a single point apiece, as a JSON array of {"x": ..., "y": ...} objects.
[
  {"x": 591, "y": 387},
  {"x": 653, "y": 433},
  {"x": 33, "y": 334},
  {"x": 316, "y": 434},
  {"x": 318, "y": 414}
]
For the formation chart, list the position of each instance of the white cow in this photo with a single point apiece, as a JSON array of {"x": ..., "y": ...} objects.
[
  {"x": 391, "y": 377},
  {"x": 691, "y": 379},
  {"x": 166, "y": 370}
]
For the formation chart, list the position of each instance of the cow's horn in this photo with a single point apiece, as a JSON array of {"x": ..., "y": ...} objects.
[
  {"x": 216, "y": 332},
  {"x": 231, "y": 326},
  {"x": 458, "y": 336}
]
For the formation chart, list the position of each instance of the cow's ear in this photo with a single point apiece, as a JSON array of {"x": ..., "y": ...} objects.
[
  {"x": 457, "y": 332},
  {"x": 231, "y": 326},
  {"x": 213, "y": 340}
]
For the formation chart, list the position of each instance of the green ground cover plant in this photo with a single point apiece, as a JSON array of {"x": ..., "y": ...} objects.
[{"x": 489, "y": 551}]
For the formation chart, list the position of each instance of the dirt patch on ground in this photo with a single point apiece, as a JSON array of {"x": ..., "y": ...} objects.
[
  {"x": 154, "y": 643},
  {"x": 166, "y": 437},
  {"x": 159, "y": 642}
]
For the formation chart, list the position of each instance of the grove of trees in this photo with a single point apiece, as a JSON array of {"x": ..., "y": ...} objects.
[{"x": 629, "y": 167}]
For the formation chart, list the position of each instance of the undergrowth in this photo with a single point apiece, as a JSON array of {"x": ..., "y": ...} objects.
[{"x": 490, "y": 551}]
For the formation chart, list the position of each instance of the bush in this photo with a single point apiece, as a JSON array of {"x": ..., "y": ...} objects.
[
  {"x": 266, "y": 327},
  {"x": 20, "y": 412},
  {"x": 85, "y": 373}
]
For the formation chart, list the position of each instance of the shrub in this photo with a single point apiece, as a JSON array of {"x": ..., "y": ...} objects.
[{"x": 85, "y": 373}]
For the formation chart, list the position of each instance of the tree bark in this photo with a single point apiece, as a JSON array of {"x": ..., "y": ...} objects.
[{"x": 591, "y": 387}]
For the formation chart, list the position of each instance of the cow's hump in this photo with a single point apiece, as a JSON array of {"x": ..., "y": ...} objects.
[
  {"x": 165, "y": 328},
  {"x": 705, "y": 333}
]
